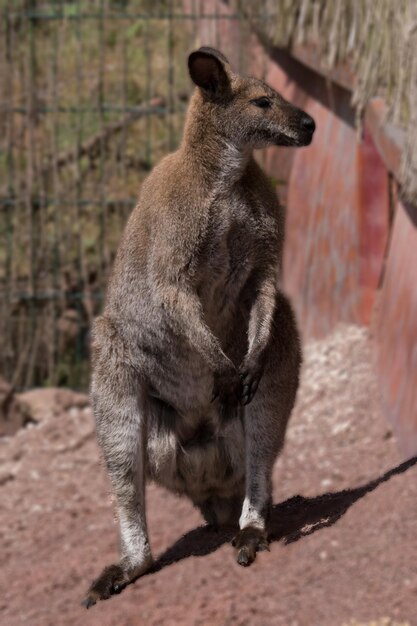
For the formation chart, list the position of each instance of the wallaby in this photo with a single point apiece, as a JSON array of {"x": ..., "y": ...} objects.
[{"x": 196, "y": 356}]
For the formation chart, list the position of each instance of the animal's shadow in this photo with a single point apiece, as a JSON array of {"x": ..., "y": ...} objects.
[{"x": 290, "y": 520}]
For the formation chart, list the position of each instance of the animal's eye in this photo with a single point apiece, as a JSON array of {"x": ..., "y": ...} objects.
[{"x": 263, "y": 102}]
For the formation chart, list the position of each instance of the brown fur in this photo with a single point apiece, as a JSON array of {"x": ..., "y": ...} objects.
[{"x": 196, "y": 356}]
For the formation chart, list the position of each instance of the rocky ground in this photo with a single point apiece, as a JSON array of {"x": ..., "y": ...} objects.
[{"x": 344, "y": 523}]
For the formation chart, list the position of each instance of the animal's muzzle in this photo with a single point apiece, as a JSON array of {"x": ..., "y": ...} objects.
[{"x": 307, "y": 123}]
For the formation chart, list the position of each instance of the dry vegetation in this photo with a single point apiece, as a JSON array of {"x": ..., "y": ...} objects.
[
  {"x": 378, "y": 39},
  {"x": 92, "y": 95}
]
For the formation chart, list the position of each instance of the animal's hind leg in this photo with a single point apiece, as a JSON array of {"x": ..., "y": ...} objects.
[
  {"x": 119, "y": 407},
  {"x": 265, "y": 420}
]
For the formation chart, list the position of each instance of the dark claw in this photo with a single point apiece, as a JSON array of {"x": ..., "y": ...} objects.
[
  {"x": 263, "y": 547},
  {"x": 243, "y": 558},
  {"x": 88, "y": 602},
  {"x": 250, "y": 381},
  {"x": 249, "y": 389}
]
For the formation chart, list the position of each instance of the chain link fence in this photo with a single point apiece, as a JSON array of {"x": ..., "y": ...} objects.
[{"x": 92, "y": 95}]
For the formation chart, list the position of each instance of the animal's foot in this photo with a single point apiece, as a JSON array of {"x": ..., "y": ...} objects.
[
  {"x": 113, "y": 579},
  {"x": 248, "y": 542}
]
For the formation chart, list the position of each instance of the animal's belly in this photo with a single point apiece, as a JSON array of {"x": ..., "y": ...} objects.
[{"x": 199, "y": 469}]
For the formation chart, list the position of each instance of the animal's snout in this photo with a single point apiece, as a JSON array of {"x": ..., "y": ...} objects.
[{"x": 307, "y": 123}]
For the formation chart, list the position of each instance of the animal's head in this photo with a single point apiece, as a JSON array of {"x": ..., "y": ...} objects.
[{"x": 246, "y": 111}]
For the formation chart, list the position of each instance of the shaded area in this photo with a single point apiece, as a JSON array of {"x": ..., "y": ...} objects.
[
  {"x": 290, "y": 520},
  {"x": 411, "y": 211}
]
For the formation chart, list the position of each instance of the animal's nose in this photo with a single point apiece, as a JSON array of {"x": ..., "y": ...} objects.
[{"x": 307, "y": 123}]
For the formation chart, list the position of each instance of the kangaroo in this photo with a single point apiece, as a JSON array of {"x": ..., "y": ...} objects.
[{"x": 196, "y": 356}]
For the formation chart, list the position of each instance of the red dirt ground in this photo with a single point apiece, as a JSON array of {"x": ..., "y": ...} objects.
[{"x": 345, "y": 540}]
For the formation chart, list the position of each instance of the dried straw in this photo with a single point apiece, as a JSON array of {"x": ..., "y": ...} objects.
[{"x": 379, "y": 41}]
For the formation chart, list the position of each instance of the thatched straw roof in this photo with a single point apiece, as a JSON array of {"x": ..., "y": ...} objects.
[{"x": 378, "y": 38}]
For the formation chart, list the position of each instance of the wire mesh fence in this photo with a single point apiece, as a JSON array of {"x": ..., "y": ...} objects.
[{"x": 93, "y": 93}]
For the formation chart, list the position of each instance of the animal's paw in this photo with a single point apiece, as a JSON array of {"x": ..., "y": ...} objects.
[
  {"x": 248, "y": 542},
  {"x": 250, "y": 376},
  {"x": 227, "y": 386},
  {"x": 112, "y": 580}
]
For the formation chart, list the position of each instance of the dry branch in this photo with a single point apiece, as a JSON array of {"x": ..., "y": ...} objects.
[{"x": 93, "y": 146}]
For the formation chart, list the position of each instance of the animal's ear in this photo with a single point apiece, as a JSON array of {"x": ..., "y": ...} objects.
[{"x": 209, "y": 69}]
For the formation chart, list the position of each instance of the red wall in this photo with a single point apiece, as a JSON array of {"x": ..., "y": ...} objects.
[{"x": 396, "y": 329}]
